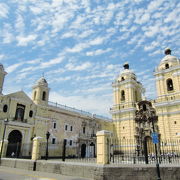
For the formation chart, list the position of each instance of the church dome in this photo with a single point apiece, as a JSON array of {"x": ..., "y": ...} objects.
[
  {"x": 42, "y": 82},
  {"x": 126, "y": 73},
  {"x": 168, "y": 61}
]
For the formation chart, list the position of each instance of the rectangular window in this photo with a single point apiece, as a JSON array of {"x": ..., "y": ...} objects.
[
  {"x": 70, "y": 142},
  {"x": 53, "y": 140},
  {"x": 84, "y": 130},
  {"x": 54, "y": 125},
  {"x": 66, "y": 127},
  {"x": 71, "y": 128}
]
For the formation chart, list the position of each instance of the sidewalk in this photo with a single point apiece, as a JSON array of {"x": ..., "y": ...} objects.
[{"x": 7, "y": 173}]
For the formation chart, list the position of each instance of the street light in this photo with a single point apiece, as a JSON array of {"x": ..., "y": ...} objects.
[
  {"x": 5, "y": 123},
  {"x": 47, "y": 138}
]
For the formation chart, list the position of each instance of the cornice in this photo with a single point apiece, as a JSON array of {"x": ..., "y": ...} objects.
[
  {"x": 122, "y": 111},
  {"x": 168, "y": 113},
  {"x": 118, "y": 83},
  {"x": 169, "y": 103},
  {"x": 123, "y": 119},
  {"x": 19, "y": 124},
  {"x": 157, "y": 72},
  {"x": 170, "y": 94}
]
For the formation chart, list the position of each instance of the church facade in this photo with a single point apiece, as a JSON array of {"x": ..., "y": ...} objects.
[{"x": 128, "y": 92}]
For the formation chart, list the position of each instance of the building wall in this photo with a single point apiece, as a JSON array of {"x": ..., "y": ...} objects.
[{"x": 61, "y": 122}]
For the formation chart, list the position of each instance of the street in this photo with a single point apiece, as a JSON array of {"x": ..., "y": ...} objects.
[{"x": 7, "y": 173}]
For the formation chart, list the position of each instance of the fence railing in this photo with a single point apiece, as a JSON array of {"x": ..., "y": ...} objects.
[
  {"x": 81, "y": 152},
  {"x": 129, "y": 152}
]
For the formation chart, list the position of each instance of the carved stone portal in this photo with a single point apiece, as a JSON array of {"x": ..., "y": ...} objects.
[{"x": 146, "y": 123}]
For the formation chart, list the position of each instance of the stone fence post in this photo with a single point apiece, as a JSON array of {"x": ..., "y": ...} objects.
[
  {"x": 103, "y": 146},
  {"x": 36, "y": 154},
  {"x": 4, "y": 147}
]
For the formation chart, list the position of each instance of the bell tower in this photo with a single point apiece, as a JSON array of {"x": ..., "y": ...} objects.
[
  {"x": 127, "y": 91},
  {"x": 40, "y": 94},
  {"x": 2, "y": 75},
  {"x": 167, "y": 103}
]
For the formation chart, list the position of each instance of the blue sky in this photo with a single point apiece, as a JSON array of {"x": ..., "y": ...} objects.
[{"x": 81, "y": 45}]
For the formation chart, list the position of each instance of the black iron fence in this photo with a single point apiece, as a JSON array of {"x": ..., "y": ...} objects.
[
  {"x": 129, "y": 152},
  {"x": 84, "y": 151}
]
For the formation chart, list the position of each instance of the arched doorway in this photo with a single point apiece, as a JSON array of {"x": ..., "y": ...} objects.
[
  {"x": 14, "y": 143},
  {"x": 150, "y": 146},
  {"x": 83, "y": 150}
]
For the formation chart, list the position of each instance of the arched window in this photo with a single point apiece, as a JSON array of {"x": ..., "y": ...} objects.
[
  {"x": 167, "y": 66},
  {"x": 5, "y": 108},
  {"x": 34, "y": 95},
  {"x": 144, "y": 107},
  {"x": 20, "y": 112},
  {"x": 122, "y": 95},
  {"x": 169, "y": 83},
  {"x": 44, "y": 96},
  {"x": 31, "y": 113}
]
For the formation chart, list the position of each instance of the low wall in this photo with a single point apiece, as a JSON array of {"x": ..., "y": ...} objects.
[
  {"x": 67, "y": 168},
  {"x": 144, "y": 172},
  {"x": 18, "y": 163},
  {"x": 97, "y": 172}
]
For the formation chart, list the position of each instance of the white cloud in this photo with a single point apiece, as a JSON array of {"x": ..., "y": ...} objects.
[
  {"x": 154, "y": 5},
  {"x": 152, "y": 30},
  {"x": 81, "y": 46},
  {"x": 7, "y": 34},
  {"x": 172, "y": 16},
  {"x": 59, "y": 79},
  {"x": 68, "y": 35},
  {"x": 13, "y": 67},
  {"x": 86, "y": 33},
  {"x": 24, "y": 40},
  {"x": 36, "y": 10},
  {"x": 81, "y": 67},
  {"x": 4, "y": 9},
  {"x": 19, "y": 25},
  {"x": 31, "y": 68},
  {"x": 93, "y": 104},
  {"x": 78, "y": 22},
  {"x": 145, "y": 18},
  {"x": 36, "y": 61},
  {"x": 2, "y": 56},
  {"x": 52, "y": 62},
  {"x": 60, "y": 19},
  {"x": 77, "y": 48},
  {"x": 151, "y": 46},
  {"x": 97, "y": 41},
  {"x": 98, "y": 52}
]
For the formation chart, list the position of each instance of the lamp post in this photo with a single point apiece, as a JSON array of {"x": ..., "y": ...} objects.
[
  {"x": 47, "y": 138},
  {"x": 5, "y": 123}
]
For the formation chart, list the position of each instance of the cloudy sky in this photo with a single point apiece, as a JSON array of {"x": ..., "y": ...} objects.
[{"x": 81, "y": 45}]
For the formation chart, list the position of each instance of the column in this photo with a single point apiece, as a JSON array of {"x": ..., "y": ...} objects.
[
  {"x": 36, "y": 154},
  {"x": 4, "y": 147},
  {"x": 103, "y": 147}
]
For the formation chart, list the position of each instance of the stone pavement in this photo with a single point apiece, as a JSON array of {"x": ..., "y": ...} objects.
[{"x": 7, "y": 173}]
